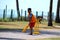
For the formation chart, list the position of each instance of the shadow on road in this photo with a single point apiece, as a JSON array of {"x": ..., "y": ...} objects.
[
  {"x": 50, "y": 33},
  {"x": 1, "y": 38},
  {"x": 28, "y": 31}
]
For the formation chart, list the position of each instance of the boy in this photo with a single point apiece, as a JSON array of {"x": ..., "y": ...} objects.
[{"x": 32, "y": 20}]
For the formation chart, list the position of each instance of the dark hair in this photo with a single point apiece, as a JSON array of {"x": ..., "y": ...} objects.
[{"x": 29, "y": 9}]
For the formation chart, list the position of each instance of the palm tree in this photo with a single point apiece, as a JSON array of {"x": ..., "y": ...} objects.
[
  {"x": 21, "y": 13},
  {"x": 57, "y": 15},
  {"x": 42, "y": 14},
  {"x": 6, "y": 9},
  {"x": 53, "y": 16},
  {"x": 25, "y": 15},
  {"x": 18, "y": 12},
  {"x": 3, "y": 14},
  {"x": 36, "y": 14},
  {"x": 11, "y": 17},
  {"x": 50, "y": 14}
]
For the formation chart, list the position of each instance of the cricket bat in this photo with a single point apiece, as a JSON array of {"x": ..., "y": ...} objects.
[{"x": 25, "y": 28}]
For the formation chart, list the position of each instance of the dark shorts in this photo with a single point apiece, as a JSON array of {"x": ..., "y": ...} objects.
[{"x": 32, "y": 24}]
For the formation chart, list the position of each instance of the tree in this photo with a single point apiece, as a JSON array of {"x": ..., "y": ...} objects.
[
  {"x": 3, "y": 14},
  {"x": 42, "y": 14},
  {"x": 50, "y": 14},
  {"x": 18, "y": 12},
  {"x": 6, "y": 9},
  {"x": 25, "y": 15},
  {"x": 53, "y": 16},
  {"x": 21, "y": 13},
  {"x": 57, "y": 14},
  {"x": 36, "y": 14},
  {"x": 11, "y": 17}
]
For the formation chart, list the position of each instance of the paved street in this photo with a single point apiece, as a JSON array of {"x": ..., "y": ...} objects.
[{"x": 18, "y": 35}]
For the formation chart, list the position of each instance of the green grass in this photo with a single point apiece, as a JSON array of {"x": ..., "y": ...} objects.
[
  {"x": 49, "y": 39},
  {"x": 45, "y": 22},
  {"x": 21, "y": 24},
  {"x": 13, "y": 25},
  {"x": 58, "y": 24}
]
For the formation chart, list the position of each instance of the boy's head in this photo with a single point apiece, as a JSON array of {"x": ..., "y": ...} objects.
[{"x": 29, "y": 10}]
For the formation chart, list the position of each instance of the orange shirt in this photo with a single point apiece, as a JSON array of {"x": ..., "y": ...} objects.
[{"x": 33, "y": 18}]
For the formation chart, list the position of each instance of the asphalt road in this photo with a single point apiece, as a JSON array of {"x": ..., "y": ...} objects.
[{"x": 16, "y": 34}]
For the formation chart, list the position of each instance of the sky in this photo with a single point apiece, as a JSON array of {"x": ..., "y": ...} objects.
[{"x": 36, "y": 5}]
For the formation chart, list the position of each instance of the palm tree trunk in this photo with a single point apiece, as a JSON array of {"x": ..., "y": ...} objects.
[
  {"x": 6, "y": 9},
  {"x": 36, "y": 14},
  {"x": 11, "y": 17},
  {"x": 57, "y": 15},
  {"x": 21, "y": 13},
  {"x": 4, "y": 14},
  {"x": 18, "y": 12},
  {"x": 42, "y": 14},
  {"x": 25, "y": 15},
  {"x": 50, "y": 14}
]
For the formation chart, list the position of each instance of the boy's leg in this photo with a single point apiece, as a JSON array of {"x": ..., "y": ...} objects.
[{"x": 31, "y": 29}]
